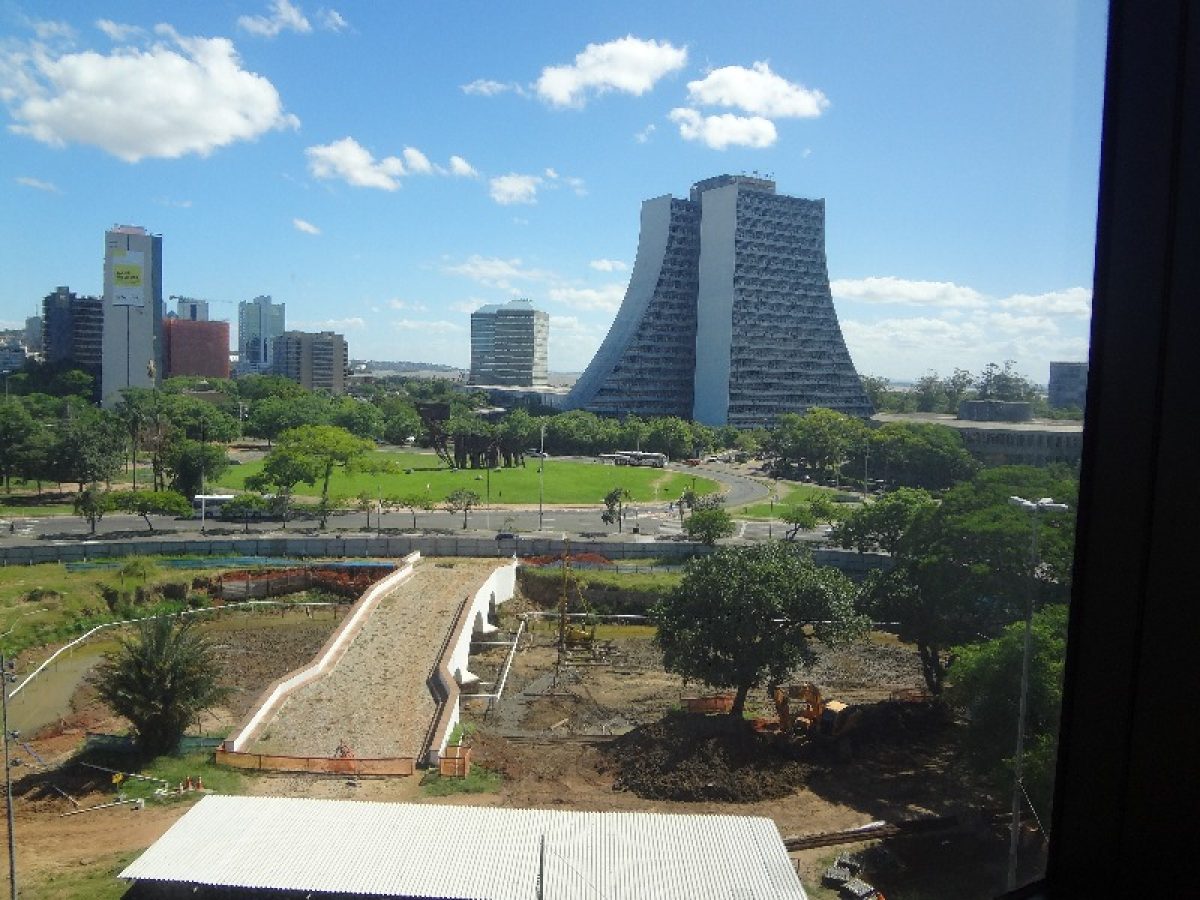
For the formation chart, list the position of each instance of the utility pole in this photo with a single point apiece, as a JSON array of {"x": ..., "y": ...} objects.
[
  {"x": 1033, "y": 508},
  {"x": 7, "y": 677},
  {"x": 541, "y": 475}
]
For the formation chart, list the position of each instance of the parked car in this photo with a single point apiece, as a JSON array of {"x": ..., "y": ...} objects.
[{"x": 505, "y": 536}]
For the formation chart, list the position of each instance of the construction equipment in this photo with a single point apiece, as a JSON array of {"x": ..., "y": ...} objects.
[{"x": 803, "y": 711}]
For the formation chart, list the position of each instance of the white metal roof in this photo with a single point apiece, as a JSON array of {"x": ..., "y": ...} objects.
[{"x": 473, "y": 853}]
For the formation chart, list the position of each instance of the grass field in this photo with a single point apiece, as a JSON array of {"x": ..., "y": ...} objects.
[
  {"x": 44, "y": 604},
  {"x": 790, "y": 492},
  {"x": 566, "y": 482}
]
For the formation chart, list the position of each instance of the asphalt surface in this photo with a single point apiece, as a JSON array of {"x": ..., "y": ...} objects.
[{"x": 643, "y": 521}]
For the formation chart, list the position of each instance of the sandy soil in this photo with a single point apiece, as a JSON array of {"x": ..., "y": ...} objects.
[{"x": 376, "y": 698}]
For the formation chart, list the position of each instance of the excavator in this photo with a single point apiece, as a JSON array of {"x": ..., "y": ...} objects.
[{"x": 803, "y": 711}]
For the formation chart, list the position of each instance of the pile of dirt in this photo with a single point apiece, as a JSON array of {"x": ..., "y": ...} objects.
[
  {"x": 689, "y": 757},
  {"x": 582, "y": 556},
  {"x": 898, "y": 722}
]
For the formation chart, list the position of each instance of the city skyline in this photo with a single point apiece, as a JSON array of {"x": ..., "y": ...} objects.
[{"x": 443, "y": 161}]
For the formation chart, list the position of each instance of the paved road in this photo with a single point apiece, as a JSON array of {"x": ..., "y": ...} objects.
[{"x": 643, "y": 521}]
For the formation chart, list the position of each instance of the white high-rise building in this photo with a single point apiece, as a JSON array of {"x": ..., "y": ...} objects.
[
  {"x": 510, "y": 345},
  {"x": 260, "y": 322},
  {"x": 133, "y": 311},
  {"x": 728, "y": 318}
]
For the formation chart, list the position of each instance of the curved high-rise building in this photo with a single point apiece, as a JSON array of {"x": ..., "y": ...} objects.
[{"x": 728, "y": 317}]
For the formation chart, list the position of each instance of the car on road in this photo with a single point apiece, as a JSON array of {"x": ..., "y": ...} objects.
[
  {"x": 505, "y": 536},
  {"x": 537, "y": 454}
]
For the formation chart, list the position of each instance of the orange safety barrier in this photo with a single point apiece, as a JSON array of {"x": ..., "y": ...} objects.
[{"x": 326, "y": 765}]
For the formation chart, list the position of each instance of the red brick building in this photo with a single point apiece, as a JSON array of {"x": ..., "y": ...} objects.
[{"x": 196, "y": 348}]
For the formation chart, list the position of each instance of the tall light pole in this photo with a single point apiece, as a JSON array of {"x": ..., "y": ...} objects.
[
  {"x": 1034, "y": 508},
  {"x": 6, "y": 678},
  {"x": 541, "y": 474}
]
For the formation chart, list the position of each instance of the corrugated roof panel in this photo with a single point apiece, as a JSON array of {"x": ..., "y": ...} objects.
[{"x": 469, "y": 852}]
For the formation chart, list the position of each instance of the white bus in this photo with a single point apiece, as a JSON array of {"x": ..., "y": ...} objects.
[{"x": 639, "y": 458}]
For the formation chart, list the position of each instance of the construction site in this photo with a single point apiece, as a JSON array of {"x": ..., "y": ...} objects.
[{"x": 446, "y": 667}]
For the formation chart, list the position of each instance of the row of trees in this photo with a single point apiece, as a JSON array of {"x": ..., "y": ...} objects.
[{"x": 935, "y": 393}]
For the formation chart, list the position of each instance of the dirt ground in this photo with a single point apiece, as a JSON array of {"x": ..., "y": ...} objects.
[{"x": 551, "y": 737}]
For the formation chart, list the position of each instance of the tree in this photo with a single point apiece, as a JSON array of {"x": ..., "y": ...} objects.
[
  {"x": 800, "y": 517},
  {"x": 876, "y": 388},
  {"x": 148, "y": 503},
  {"x": 190, "y": 463},
  {"x": 995, "y": 383},
  {"x": 880, "y": 525},
  {"x": 962, "y": 567},
  {"x": 917, "y": 454},
  {"x": 16, "y": 428},
  {"x": 614, "y": 508},
  {"x": 245, "y": 506},
  {"x": 361, "y": 419},
  {"x": 414, "y": 502},
  {"x": 272, "y": 416},
  {"x": 709, "y": 525},
  {"x": 90, "y": 447},
  {"x": 462, "y": 501},
  {"x": 985, "y": 688},
  {"x": 819, "y": 440},
  {"x": 326, "y": 446},
  {"x": 91, "y": 505},
  {"x": 161, "y": 680},
  {"x": 282, "y": 470},
  {"x": 739, "y": 617}
]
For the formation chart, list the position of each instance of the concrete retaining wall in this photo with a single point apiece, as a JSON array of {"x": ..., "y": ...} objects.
[
  {"x": 452, "y": 668},
  {"x": 334, "y": 649},
  {"x": 391, "y": 547}
]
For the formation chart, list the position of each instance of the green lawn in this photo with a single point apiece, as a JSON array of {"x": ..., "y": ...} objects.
[
  {"x": 790, "y": 492},
  {"x": 566, "y": 482}
]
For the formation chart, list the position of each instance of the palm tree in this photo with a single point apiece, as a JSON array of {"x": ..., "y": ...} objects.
[{"x": 160, "y": 679}]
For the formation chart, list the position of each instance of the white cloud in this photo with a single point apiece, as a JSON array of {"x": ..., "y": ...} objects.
[
  {"x": 412, "y": 305},
  {"x": 38, "y": 184},
  {"x": 719, "y": 132},
  {"x": 47, "y": 30},
  {"x": 417, "y": 162},
  {"x": 891, "y": 290},
  {"x": 332, "y": 20},
  {"x": 500, "y": 273},
  {"x": 306, "y": 227},
  {"x": 436, "y": 326},
  {"x": 1075, "y": 302},
  {"x": 120, "y": 33},
  {"x": 608, "y": 265},
  {"x": 514, "y": 188},
  {"x": 350, "y": 161},
  {"x": 628, "y": 64},
  {"x": 607, "y": 298},
  {"x": 968, "y": 330},
  {"x": 644, "y": 135},
  {"x": 757, "y": 91},
  {"x": 462, "y": 168},
  {"x": 355, "y": 323},
  {"x": 284, "y": 17},
  {"x": 467, "y": 306},
  {"x": 486, "y": 87},
  {"x": 183, "y": 95}
]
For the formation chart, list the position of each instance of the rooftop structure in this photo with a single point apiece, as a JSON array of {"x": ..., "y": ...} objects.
[
  {"x": 509, "y": 344},
  {"x": 728, "y": 318},
  {"x": 1034, "y": 442},
  {"x": 345, "y": 847}
]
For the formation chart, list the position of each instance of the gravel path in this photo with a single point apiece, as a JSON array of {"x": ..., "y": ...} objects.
[{"x": 376, "y": 699}]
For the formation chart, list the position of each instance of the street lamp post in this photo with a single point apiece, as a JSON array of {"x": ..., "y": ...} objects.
[
  {"x": 541, "y": 475},
  {"x": 1033, "y": 507},
  {"x": 6, "y": 678}
]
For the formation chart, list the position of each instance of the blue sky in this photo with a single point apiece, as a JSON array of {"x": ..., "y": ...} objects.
[{"x": 383, "y": 168}]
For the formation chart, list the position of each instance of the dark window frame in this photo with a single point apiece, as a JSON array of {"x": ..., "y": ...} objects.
[{"x": 1126, "y": 794}]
